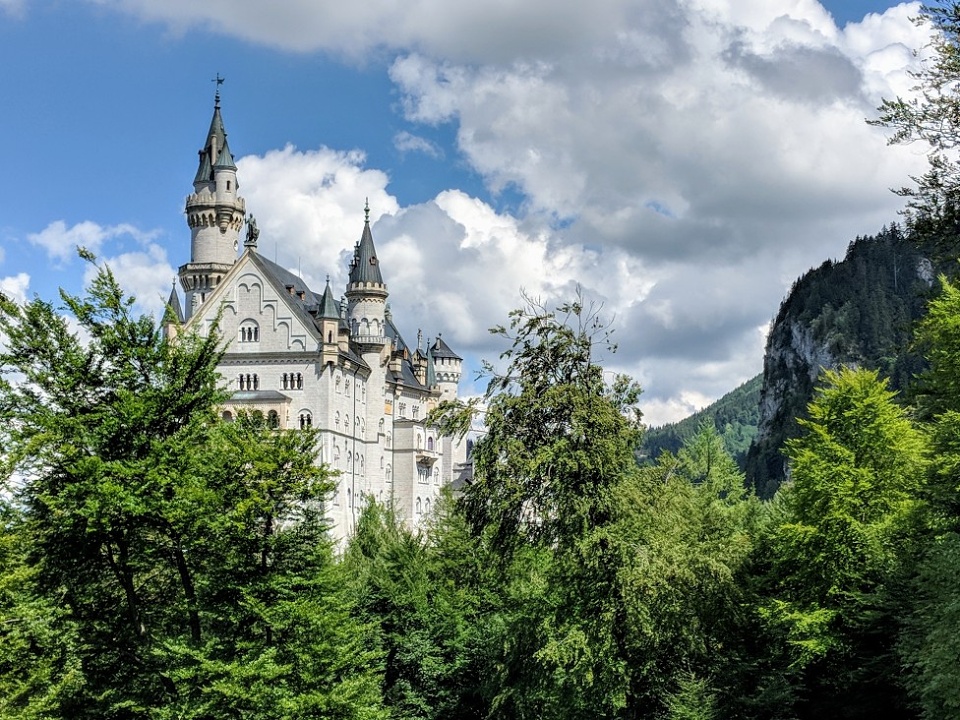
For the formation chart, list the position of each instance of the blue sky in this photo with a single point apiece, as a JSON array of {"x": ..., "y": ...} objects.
[{"x": 682, "y": 162}]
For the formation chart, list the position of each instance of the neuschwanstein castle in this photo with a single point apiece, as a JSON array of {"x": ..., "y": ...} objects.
[{"x": 305, "y": 359}]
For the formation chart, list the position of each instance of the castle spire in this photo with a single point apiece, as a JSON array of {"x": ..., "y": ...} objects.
[
  {"x": 366, "y": 291},
  {"x": 215, "y": 213}
]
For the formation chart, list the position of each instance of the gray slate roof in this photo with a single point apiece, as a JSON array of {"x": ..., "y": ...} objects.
[
  {"x": 365, "y": 267},
  {"x": 440, "y": 349}
]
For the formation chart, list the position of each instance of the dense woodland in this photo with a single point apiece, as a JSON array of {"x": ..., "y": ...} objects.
[{"x": 159, "y": 563}]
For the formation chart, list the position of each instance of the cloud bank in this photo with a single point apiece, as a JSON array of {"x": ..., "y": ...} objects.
[{"x": 683, "y": 161}]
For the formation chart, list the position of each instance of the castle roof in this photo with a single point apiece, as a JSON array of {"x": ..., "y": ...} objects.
[
  {"x": 440, "y": 349},
  {"x": 216, "y": 138},
  {"x": 365, "y": 267},
  {"x": 225, "y": 158},
  {"x": 174, "y": 310},
  {"x": 329, "y": 308}
]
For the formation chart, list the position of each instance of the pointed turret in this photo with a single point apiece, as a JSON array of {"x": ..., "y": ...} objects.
[
  {"x": 366, "y": 291},
  {"x": 328, "y": 319},
  {"x": 448, "y": 367},
  {"x": 215, "y": 214}
]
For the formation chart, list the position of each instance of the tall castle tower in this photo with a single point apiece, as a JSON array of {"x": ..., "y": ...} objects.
[
  {"x": 215, "y": 214},
  {"x": 366, "y": 292}
]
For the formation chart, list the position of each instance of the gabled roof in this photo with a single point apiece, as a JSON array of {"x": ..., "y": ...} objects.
[
  {"x": 307, "y": 308},
  {"x": 440, "y": 349},
  {"x": 365, "y": 267}
]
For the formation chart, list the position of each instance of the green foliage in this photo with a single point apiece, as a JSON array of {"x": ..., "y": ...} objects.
[
  {"x": 932, "y": 117},
  {"x": 161, "y": 563},
  {"x": 856, "y": 474}
]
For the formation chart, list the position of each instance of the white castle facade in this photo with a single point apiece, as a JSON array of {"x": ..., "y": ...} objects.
[{"x": 304, "y": 359}]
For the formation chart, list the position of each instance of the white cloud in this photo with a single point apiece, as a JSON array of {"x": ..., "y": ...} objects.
[
  {"x": 145, "y": 274},
  {"x": 684, "y": 161},
  {"x": 407, "y": 142},
  {"x": 15, "y": 286},
  {"x": 61, "y": 242}
]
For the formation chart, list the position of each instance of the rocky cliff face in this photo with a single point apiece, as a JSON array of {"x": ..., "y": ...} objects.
[{"x": 857, "y": 312}]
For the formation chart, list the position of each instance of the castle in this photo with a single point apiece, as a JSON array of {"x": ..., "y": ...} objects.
[{"x": 304, "y": 360}]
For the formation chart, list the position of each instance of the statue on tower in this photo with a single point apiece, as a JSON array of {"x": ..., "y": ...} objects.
[{"x": 253, "y": 232}]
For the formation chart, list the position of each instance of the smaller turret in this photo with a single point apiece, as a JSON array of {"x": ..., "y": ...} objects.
[
  {"x": 328, "y": 319},
  {"x": 366, "y": 292},
  {"x": 447, "y": 368}
]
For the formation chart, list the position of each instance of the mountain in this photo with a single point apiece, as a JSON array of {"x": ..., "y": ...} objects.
[
  {"x": 857, "y": 312},
  {"x": 735, "y": 415}
]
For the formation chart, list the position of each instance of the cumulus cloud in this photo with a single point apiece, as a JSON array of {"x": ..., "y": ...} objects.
[
  {"x": 61, "y": 242},
  {"x": 683, "y": 161},
  {"x": 145, "y": 274},
  {"x": 15, "y": 286}
]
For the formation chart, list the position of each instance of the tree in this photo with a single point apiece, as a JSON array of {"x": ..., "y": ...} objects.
[
  {"x": 557, "y": 446},
  {"x": 182, "y": 560},
  {"x": 933, "y": 118},
  {"x": 851, "y": 506}
]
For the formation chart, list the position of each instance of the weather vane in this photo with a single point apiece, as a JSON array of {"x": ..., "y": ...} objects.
[{"x": 219, "y": 81}]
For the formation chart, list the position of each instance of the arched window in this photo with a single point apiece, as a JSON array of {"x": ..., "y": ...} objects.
[
  {"x": 249, "y": 331},
  {"x": 338, "y": 382},
  {"x": 306, "y": 420},
  {"x": 349, "y": 459},
  {"x": 241, "y": 382},
  {"x": 388, "y": 475},
  {"x": 389, "y": 440},
  {"x": 430, "y": 444},
  {"x": 227, "y": 416},
  {"x": 436, "y": 476},
  {"x": 336, "y": 454},
  {"x": 419, "y": 507},
  {"x": 299, "y": 381},
  {"x": 346, "y": 423},
  {"x": 381, "y": 462},
  {"x": 273, "y": 420},
  {"x": 380, "y": 426},
  {"x": 426, "y": 506},
  {"x": 336, "y": 420},
  {"x": 419, "y": 441}
]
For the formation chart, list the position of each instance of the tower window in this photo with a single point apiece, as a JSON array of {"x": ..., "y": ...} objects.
[{"x": 306, "y": 420}]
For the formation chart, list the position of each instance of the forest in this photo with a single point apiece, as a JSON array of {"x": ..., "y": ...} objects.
[{"x": 157, "y": 562}]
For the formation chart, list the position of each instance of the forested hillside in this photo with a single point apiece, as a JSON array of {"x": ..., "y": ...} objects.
[
  {"x": 858, "y": 312},
  {"x": 735, "y": 417}
]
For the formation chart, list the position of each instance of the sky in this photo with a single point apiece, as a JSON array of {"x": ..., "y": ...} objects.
[{"x": 681, "y": 162}]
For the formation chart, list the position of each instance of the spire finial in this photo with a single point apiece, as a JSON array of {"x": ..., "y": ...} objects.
[
  {"x": 219, "y": 81},
  {"x": 366, "y": 210},
  {"x": 328, "y": 278}
]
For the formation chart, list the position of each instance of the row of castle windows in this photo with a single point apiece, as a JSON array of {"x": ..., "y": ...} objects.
[
  {"x": 273, "y": 418},
  {"x": 292, "y": 381}
]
